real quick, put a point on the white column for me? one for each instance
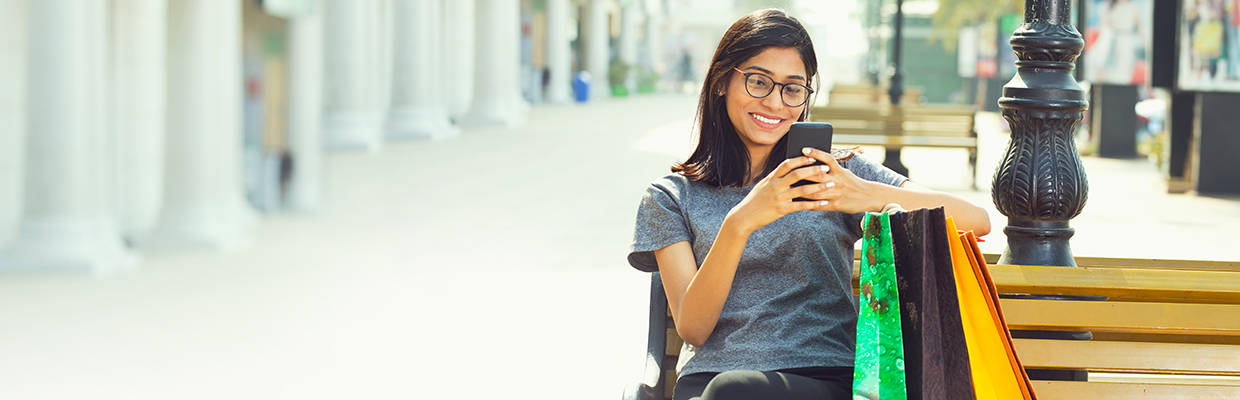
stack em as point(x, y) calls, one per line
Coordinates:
point(201, 188)
point(497, 90)
point(654, 35)
point(559, 52)
point(352, 119)
point(231, 54)
point(630, 19)
point(418, 102)
point(66, 226)
point(305, 108)
point(139, 104)
point(460, 38)
point(13, 45)
point(597, 35)
point(384, 33)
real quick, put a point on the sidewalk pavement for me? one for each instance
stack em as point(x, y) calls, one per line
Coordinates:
point(491, 265)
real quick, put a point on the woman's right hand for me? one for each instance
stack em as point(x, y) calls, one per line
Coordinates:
point(771, 198)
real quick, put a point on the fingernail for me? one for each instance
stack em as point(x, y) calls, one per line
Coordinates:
point(829, 184)
point(805, 150)
point(825, 168)
point(823, 203)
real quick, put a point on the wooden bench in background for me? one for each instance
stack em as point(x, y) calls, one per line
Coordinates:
point(896, 127)
point(846, 94)
point(863, 115)
point(1170, 329)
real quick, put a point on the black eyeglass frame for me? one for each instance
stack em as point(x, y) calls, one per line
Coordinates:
point(809, 92)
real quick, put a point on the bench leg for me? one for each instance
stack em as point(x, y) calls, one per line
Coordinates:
point(892, 161)
point(973, 167)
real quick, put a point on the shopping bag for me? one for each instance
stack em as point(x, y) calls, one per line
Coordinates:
point(935, 362)
point(879, 364)
point(994, 365)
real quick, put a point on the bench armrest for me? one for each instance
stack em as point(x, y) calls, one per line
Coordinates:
point(651, 386)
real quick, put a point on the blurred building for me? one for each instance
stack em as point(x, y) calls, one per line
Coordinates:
point(128, 125)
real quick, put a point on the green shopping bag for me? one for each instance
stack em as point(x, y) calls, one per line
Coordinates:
point(879, 365)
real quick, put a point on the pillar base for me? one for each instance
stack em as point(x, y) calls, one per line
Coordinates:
point(64, 245)
point(198, 229)
point(497, 113)
point(351, 131)
point(427, 123)
point(1038, 243)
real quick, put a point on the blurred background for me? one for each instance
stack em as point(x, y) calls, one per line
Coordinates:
point(434, 198)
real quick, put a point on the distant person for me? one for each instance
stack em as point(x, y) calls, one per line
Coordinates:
point(759, 285)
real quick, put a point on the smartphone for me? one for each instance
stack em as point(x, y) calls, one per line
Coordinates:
point(808, 134)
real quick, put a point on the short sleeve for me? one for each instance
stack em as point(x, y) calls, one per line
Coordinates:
point(660, 223)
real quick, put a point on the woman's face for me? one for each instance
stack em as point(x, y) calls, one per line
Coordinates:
point(762, 122)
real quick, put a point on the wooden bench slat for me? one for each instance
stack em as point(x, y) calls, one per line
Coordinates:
point(1123, 317)
point(1206, 359)
point(883, 140)
point(1064, 390)
point(1118, 283)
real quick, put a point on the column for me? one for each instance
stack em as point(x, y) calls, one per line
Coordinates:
point(66, 226)
point(597, 36)
point(497, 91)
point(139, 103)
point(459, 35)
point(418, 104)
point(230, 52)
point(201, 188)
point(629, 21)
point(352, 119)
point(385, 33)
point(305, 108)
point(1216, 144)
point(559, 53)
point(654, 35)
point(13, 45)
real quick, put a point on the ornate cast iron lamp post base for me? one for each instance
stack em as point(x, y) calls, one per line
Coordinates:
point(1040, 185)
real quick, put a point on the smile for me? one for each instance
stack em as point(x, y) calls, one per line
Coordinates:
point(766, 120)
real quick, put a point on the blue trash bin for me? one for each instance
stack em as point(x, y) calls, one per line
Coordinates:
point(581, 86)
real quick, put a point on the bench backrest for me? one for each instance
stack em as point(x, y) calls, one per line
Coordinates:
point(931, 120)
point(844, 94)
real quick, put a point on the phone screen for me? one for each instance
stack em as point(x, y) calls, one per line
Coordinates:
point(808, 134)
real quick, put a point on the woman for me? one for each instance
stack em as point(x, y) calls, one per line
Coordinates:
point(759, 284)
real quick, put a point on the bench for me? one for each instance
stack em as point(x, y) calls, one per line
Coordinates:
point(853, 94)
point(895, 127)
point(1170, 329)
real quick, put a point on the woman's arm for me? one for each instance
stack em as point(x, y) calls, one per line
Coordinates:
point(696, 295)
point(846, 192)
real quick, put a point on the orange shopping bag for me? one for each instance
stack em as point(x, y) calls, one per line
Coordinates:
point(997, 371)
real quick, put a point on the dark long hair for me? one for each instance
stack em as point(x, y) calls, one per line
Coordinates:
point(720, 158)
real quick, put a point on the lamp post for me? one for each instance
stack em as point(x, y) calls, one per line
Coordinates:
point(896, 91)
point(1040, 185)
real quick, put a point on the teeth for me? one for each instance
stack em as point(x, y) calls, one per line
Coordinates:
point(766, 120)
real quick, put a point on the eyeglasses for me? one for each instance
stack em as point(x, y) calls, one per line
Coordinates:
point(759, 85)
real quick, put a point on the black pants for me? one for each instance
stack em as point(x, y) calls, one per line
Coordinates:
point(822, 383)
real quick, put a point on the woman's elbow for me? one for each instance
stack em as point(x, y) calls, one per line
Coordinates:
point(697, 339)
point(983, 226)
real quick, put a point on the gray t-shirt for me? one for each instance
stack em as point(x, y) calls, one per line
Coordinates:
point(791, 303)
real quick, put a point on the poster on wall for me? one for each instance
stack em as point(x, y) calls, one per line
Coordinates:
point(1209, 47)
point(1118, 35)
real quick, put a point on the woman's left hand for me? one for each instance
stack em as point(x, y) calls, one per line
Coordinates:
point(845, 192)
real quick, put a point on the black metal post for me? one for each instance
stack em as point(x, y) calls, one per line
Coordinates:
point(892, 159)
point(1040, 185)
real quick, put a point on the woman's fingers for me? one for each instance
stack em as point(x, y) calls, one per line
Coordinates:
point(790, 165)
point(821, 155)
